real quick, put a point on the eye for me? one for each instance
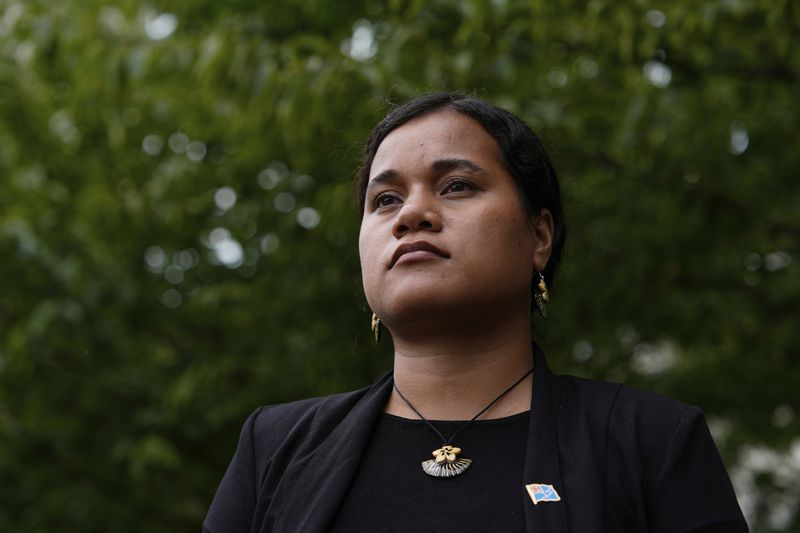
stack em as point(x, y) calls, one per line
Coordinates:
point(384, 200)
point(457, 185)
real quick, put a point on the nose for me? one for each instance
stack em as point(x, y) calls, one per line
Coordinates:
point(416, 215)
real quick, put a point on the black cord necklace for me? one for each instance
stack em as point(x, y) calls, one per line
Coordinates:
point(446, 462)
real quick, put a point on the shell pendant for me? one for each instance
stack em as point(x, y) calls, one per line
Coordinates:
point(445, 462)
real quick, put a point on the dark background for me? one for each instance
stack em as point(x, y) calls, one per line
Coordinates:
point(178, 231)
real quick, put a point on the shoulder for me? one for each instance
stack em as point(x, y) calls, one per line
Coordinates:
point(277, 439)
point(614, 403)
point(651, 452)
point(289, 432)
point(270, 424)
point(634, 426)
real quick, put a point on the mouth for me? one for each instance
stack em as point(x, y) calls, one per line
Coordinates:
point(416, 251)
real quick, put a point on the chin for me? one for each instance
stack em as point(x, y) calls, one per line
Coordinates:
point(430, 306)
point(436, 302)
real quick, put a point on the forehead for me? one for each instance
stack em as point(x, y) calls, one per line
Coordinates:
point(442, 134)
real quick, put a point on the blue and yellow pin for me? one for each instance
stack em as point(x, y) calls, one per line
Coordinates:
point(539, 492)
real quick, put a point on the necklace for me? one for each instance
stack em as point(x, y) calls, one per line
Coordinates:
point(445, 462)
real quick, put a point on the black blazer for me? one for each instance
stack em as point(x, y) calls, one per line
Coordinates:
point(620, 458)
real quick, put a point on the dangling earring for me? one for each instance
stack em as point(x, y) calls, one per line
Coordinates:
point(541, 296)
point(376, 327)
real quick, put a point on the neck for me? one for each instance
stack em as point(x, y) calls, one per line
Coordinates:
point(454, 376)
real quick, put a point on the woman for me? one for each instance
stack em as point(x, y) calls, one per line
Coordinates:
point(461, 234)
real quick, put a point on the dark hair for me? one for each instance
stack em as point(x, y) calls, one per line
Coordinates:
point(523, 156)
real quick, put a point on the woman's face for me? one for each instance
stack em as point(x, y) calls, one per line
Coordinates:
point(444, 226)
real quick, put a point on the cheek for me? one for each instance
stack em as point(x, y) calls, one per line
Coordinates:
point(512, 241)
point(368, 256)
point(363, 251)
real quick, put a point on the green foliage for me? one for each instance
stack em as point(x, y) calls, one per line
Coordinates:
point(145, 311)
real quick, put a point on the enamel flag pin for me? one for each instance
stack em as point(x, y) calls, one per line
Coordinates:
point(540, 492)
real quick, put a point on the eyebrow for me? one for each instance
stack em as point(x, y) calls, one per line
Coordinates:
point(440, 166)
point(444, 165)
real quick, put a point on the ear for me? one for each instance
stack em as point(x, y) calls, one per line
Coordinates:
point(543, 229)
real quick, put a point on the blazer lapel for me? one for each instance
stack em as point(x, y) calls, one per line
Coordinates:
point(316, 494)
point(542, 467)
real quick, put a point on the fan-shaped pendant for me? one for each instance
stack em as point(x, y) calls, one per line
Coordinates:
point(445, 462)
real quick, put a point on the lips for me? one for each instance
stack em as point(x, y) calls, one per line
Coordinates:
point(419, 246)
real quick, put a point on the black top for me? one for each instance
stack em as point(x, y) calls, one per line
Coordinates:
point(391, 493)
point(621, 460)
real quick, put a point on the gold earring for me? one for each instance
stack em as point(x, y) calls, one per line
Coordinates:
point(541, 296)
point(376, 327)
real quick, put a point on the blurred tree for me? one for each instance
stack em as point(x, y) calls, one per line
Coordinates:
point(179, 238)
